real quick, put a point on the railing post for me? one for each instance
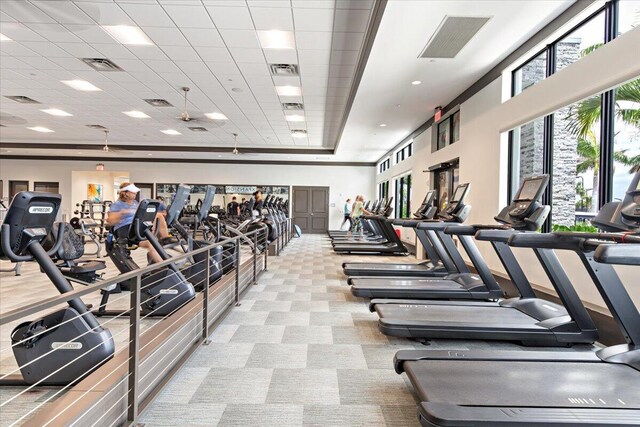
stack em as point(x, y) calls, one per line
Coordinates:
point(205, 301)
point(255, 257)
point(237, 248)
point(134, 347)
point(266, 253)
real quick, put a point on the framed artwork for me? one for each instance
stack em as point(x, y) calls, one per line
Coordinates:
point(94, 193)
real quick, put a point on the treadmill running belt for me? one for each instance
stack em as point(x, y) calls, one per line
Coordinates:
point(384, 267)
point(526, 384)
point(412, 283)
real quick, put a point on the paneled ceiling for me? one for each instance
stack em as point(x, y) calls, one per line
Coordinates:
point(220, 50)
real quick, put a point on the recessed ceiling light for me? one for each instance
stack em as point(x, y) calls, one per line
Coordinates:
point(8, 151)
point(56, 112)
point(216, 116)
point(383, 125)
point(416, 82)
point(81, 85)
point(41, 129)
point(276, 39)
point(79, 152)
point(149, 154)
point(288, 90)
point(294, 118)
point(127, 34)
point(4, 38)
point(236, 89)
point(136, 114)
point(170, 132)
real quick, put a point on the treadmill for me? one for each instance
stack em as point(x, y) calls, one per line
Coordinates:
point(392, 245)
point(438, 263)
point(374, 234)
point(525, 319)
point(525, 213)
point(484, 388)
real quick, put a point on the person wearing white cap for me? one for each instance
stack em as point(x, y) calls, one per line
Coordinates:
point(121, 213)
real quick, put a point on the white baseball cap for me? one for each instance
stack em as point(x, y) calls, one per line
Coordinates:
point(131, 188)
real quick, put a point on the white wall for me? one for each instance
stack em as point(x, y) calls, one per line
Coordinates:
point(343, 181)
point(482, 148)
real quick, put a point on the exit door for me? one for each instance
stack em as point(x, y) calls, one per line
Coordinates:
point(311, 209)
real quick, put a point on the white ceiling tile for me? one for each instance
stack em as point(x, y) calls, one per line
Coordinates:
point(315, 81)
point(343, 82)
point(6, 18)
point(315, 90)
point(25, 12)
point(181, 53)
point(313, 57)
point(189, 16)
point(313, 19)
point(286, 81)
point(132, 65)
point(347, 41)
point(258, 79)
point(106, 13)
point(90, 33)
point(70, 64)
point(65, 12)
point(193, 67)
point(353, 20)
point(249, 69)
point(180, 2)
point(272, 18)
point(19, 32)
point(247, 55)
point(114, 51)
point(316, 40)
point(17, 49)
point(148, 52)
point(314, 71)
point(224, 69)
point(214, 54)
point(342, 70)
point(48, 50)
point(166, 36)
point(38, 63)
point(263, 91)
point(147, 15)
point(231, 18)
point(281, 56)
point(54, 33)
point(166, 66)
point(344, 57)
point(203, 37)
point(240, 38)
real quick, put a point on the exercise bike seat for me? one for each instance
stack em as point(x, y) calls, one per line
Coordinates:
point(71, 249)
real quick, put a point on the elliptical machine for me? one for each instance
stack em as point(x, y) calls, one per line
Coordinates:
point(164, 290)
point(64, 346)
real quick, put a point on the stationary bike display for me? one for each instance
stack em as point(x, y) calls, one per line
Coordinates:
point(164, 290)
point(67, 344)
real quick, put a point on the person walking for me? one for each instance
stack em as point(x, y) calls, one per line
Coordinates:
point(347, 214)
point(356, 215)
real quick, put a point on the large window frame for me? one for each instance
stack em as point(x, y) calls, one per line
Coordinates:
point(607, 116)
point(384, 165)
point(383, 190)
point(404, 153)
point(449, 125)
point(402, 203)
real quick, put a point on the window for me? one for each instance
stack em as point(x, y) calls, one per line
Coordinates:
point(449, 130)
point(530, 73)
point(526, 148)
point(628, 15)
point(626, 143)
point(403, 196)
point(384, 165)
point(46, 187)
point(584, 39)
point(404, 153)
point(383, 190)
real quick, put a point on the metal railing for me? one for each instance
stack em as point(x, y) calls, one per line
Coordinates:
point(103, 393)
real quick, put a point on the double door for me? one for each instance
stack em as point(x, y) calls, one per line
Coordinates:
point(311, 209)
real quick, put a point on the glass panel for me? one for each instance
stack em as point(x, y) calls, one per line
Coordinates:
point(628, 15)
point(576, 162)
point(527, 148)
point(455, 127)
point(626, 145)
point(580, 42)
point(443, 133)
point(530, 73)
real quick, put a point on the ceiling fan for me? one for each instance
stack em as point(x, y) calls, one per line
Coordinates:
point(185, 117)
point(237, 152)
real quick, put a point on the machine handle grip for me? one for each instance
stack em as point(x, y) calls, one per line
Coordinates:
point(495, 235)
point(59, 237)
point(6, 246)
point(136, 225)
point(623, 254)
point(434, 225)
point(461, 230)
point(546, 241)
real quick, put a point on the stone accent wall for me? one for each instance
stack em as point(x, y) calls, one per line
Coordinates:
point(565, 157)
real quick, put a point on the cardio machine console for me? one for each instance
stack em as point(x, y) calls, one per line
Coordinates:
point(143, 219)
point(630, 209)
point(527, 198)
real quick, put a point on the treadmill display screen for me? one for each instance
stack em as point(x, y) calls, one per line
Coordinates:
point(529, 189)
point(459, 193)
point(428, 198)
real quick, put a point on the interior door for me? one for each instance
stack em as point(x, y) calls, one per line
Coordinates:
point(47, 187)
point(311, 209)
point(146, 191)
point(17, 186)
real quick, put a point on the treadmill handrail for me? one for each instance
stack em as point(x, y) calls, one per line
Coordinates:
point(501, 236)
point(622, 253)
point(437, 225)
point(461, 230)
point(568, 240)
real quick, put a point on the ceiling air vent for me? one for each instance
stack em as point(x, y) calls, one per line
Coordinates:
point(292, 106)
point(158, 102)
point(284, 69)
point(23, 99)
point(101, 64)
point(298, 132)
point(452, 35)
point(99, 127)
point(198, 129)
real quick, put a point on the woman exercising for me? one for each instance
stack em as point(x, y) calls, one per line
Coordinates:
point(121, 214)
point(357, 211)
